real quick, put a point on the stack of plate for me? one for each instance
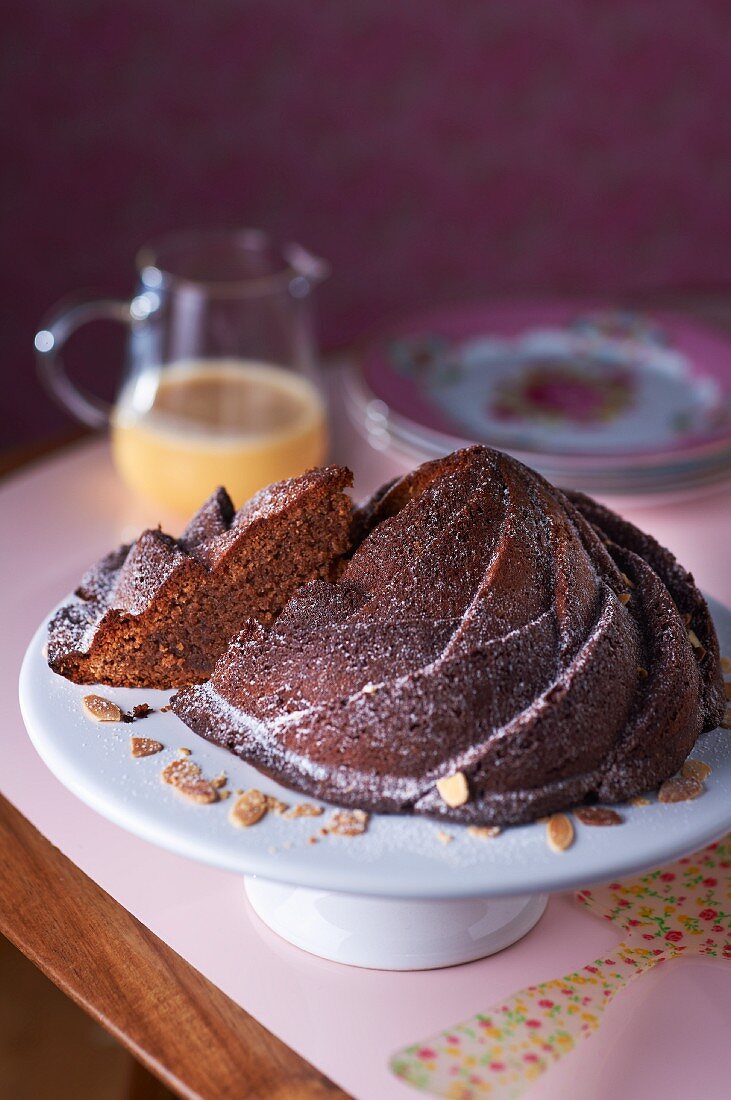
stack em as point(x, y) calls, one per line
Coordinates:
point(595, 399)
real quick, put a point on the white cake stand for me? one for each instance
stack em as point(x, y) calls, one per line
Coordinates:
point(397, 897)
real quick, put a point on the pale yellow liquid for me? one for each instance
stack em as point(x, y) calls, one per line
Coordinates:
point(179, 432)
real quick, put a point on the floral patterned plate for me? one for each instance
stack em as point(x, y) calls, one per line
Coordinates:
point(621, 398)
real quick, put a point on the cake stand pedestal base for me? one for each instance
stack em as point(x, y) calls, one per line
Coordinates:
point(392, 933)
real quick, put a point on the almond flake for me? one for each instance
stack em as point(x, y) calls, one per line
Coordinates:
point(484, 832)
point(348, 822)
point(302, 809)
point(249, 808)
point(180, 771)
point(144, 746)
point(559, 833)
point(679, 790)
point(101, 709)
point(726, 664)
point(639, 801)
point(444, 838)
point(453, 789)
point(627, 581)
point(625, 597)
point(219, 781)
point(198, 790)
point(274, 805)
point(695, 769)
point(597, 815)
point(185, 752)
point(694, 640)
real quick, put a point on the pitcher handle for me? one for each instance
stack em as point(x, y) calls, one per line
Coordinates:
point(49, 342)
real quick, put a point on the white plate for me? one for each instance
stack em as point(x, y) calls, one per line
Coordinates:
point(398, 856)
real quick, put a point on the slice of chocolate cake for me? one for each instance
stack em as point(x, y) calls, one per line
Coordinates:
point(490, 636)
point(159, 612)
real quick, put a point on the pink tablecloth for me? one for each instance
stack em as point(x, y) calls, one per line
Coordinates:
point(665, 1037)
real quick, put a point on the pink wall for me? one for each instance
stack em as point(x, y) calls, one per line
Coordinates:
point(430, 150)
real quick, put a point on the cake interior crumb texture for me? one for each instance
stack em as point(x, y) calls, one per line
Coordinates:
point(159, 612)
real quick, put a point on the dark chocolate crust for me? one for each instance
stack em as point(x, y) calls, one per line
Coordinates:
point(160, 612)
point(485, 623)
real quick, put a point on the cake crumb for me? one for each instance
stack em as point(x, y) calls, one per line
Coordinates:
point(144, 746)
point(726, 720)
point(726, 664)
point(219, 781)
point(679, 790)
point(369, 689)
point(727, 688)
point(164, 710)
point(249, 808)
point(453, 789)
point(484, 832)
point(312, 840)
point(642, 673)
point(695, 769)
point(101, 709)
point(348, 822)
point(141, 710)
point(559, 833)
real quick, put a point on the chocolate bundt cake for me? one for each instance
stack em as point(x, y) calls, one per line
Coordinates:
point(487, 627)
point(159, 612)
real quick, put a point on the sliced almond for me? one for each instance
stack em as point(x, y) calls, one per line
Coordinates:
point(101, 709)
point(559, 832)
point(627, 581)
point(198, 790)
point(180, 771)
point(625, 597)
point(144, 746)
point(598, 815)
point(249, 808)
point(348, 822)
point(694, 640)
point(453, 789)
point(275, 806)
point(695, 769)
point(484, 832)
point(679, 789)
point(219, 781)
point(639, 801)
point(301, 809)
point(185, 752)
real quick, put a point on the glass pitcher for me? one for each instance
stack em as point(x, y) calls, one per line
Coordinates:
point(222, 385)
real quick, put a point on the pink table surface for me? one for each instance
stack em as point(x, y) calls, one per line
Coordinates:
point(665, 1037)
